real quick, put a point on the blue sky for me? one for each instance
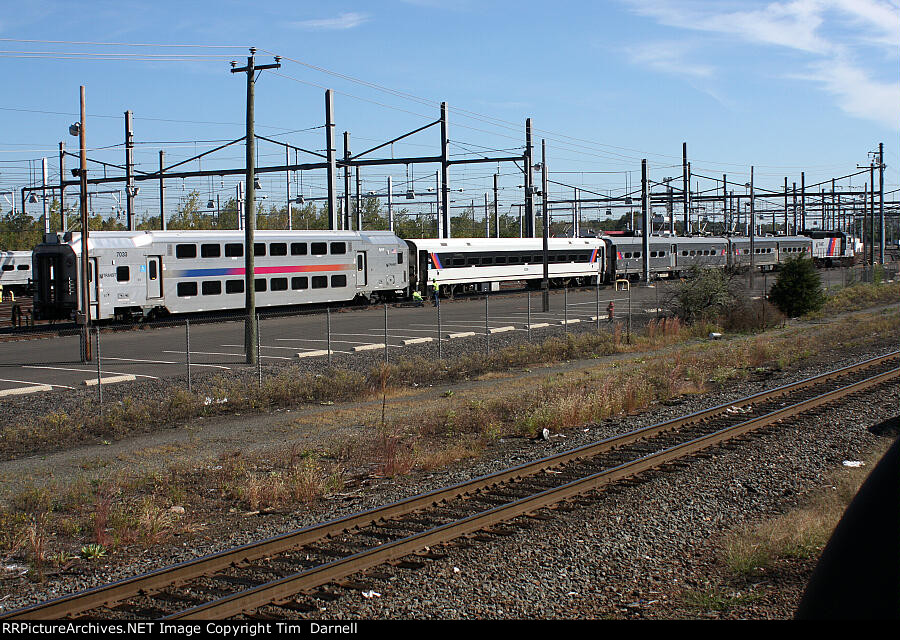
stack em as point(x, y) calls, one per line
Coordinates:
point(786, 86)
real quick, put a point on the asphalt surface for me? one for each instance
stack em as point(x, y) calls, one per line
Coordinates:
point(52, 361)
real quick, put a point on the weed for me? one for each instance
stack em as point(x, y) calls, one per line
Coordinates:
point(93, 551)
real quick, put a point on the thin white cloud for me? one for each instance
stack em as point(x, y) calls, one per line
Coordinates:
point(347, 20)
point(668, 57)
point(833, 34)
point(857, 93)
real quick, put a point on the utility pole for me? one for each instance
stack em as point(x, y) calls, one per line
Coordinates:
point(684, 185)
point(333, 215)
point(545, 283)
point(44, 195)
point(287, 183)
point(496, 208)
point(346, 224)
point(802, 201)
point(872, 212)
point(785, 206)
point(250, 328)
point(390, 204)
point(645, 222)
point(529, 183)
point(752, 230)
point(129, 171)
point(85, 269)
point(444, 217)
point(358, 202)
point(881, 202)
point(63, 223)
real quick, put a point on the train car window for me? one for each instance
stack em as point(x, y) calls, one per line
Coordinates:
point(151, 270)
point(513, 260)
point(300, 282)
point(23, 267)
point(259, 248)
point(123, 274)
point(259, 284)
point(526, 259)
point(8, 267)
point(233, 250)
point(234, 286)
point(637, 254)
point(487, 260)
point(186, 289)
point(653, 254)
point(339, 281)
point(278, 284)
point(399, 257)
point(460, 261)
point(319, 282)
point(472, 261)
point(318, 248)
point(185, 251)
point(338, 248)
point(278, 249)
point(298, 248)
point(500, 260)
point(211, 287)
point(210, 250)
point(627, 254)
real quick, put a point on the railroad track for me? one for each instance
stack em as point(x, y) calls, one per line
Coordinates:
point(263, 579)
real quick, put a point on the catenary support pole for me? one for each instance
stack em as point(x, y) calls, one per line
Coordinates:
point(330, 151)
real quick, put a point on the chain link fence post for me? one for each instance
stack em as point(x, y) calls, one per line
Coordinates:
point(258, 358)
point(99, 380)
point(566, 307)
point(487, 328)
point(187, 351)
point(598, 304)
point(385, 334)
point(328, 332)
point(529, 316)
point(440, 337)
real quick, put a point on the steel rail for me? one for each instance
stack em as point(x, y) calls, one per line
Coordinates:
point(285, 588)
point(106, 595)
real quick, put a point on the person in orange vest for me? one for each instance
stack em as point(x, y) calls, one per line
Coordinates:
point(610, 311)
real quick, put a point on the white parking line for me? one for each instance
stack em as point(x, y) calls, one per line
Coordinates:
point(215, 366)
point(36, 383)
point(219, 353)
point(116, 373)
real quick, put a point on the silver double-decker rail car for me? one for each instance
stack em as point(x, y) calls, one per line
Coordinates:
point(147, 274)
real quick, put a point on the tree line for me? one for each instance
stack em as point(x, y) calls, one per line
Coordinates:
point(19, 231)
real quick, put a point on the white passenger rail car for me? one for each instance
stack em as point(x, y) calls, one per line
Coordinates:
point(15, 271)
point(155, 273)
point(466, 264)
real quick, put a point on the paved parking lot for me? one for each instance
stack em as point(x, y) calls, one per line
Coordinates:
point(29, 366)
point(160, 351)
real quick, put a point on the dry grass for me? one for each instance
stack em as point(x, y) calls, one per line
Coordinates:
point(801, 533)
point(861, 296)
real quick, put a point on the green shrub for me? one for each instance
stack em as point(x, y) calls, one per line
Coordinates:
point(798, 289)
point(703, 296)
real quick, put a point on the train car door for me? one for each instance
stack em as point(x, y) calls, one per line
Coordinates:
point(154, 276)
point(94, 287)
point(361, 268)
